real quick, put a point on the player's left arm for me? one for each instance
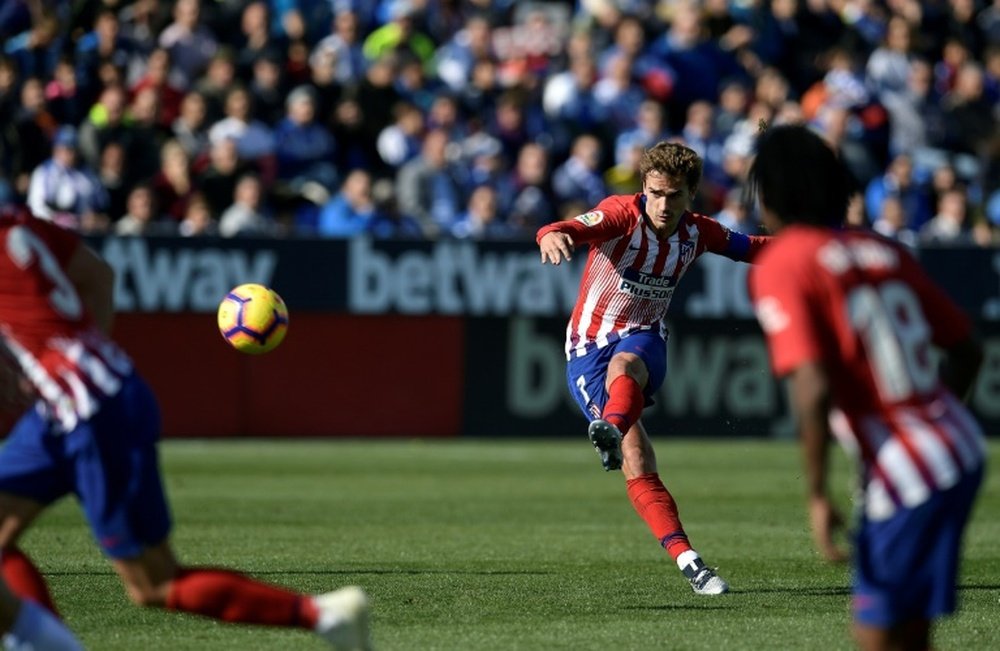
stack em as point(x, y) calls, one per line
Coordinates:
point(94, 280)
point(793, 329)
point(732, 244)
point(810, 399)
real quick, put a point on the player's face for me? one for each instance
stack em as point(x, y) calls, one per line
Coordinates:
point(667, 197)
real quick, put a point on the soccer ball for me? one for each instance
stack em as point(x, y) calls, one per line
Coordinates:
point(253, 319)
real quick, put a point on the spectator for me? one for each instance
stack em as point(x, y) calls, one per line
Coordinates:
point(190, 128)
point(888, 68)
point(173, 184)
point(734, 99)
point(578, 178)
point(106, 43)
point(267, 88)
point(113, 177)
point(218, 180)
point(28, 142)
point(970, 123)
point(400, 142)
point(700, 64)
point(247, 216)
point(625, 177)
point(429, 186)
point(617, 95)
point(399, 35)
point(256, 38)
point(216, 84)
point(191, 44)
point(916, 119)
point(198, 221)
point(650, 128)
point(105, 123)
point(525, 193)
point(304, 148)
point(65, 192)
point(254, 139)
point(455, 59)
point(157, 79)
point(352, 210)
point(141, 23)
point(481, 219)
point(891, 221)
point(63, 95)
point(343, 48)
point(147, 134)
point(698, 134)
point(898, 181)
point(390, 222)
point(950, 224)
point(143, 218)
point(735, 215)
point(655, 78)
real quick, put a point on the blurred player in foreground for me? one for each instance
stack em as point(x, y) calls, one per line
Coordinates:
point(93, 432)
point(26, 626)
point(851, 319)
point(640, 246)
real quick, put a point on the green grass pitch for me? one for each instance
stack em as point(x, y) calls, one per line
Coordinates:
point(479, 545)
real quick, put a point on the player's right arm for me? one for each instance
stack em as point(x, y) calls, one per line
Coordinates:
point(94, 280)
point(610, 219)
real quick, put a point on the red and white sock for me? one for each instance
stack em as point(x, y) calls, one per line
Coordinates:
point(232, 597)
point(625, 403)
point(24, 579)
point(654, 504)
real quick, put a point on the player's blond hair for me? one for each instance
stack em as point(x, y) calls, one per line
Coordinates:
point(672, 159)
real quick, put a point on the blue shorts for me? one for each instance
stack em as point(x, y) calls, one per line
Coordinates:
point(906, 567)
point(586, 375)
point(110, 462)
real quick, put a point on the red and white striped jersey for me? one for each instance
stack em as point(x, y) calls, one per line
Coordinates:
point(46, 326)
point(631, 274)
point(862, 307)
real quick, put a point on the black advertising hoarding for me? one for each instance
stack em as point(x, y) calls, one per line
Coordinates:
point(513, 312)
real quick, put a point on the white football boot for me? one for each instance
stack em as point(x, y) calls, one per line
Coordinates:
point(343, 619)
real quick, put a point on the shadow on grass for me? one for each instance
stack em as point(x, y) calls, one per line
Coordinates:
point(338, 572)
point(681, 607)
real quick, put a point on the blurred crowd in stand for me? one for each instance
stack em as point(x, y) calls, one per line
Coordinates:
point(476, 119)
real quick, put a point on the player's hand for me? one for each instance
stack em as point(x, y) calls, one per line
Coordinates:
point(556, 247)
point(826, 521)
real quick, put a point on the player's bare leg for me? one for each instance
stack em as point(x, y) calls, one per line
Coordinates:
point(913, 635)
point(20, 573)
point(156, 579)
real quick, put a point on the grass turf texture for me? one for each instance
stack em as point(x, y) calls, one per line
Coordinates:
point(498, 545)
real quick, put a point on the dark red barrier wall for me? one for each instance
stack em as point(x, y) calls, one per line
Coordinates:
point(334, 375)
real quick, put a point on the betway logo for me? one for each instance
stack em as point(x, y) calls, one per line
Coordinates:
point(458, 278)
point(181, 279)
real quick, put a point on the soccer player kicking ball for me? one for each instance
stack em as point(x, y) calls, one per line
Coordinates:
point(640, 246)
point(94, 431)
point(851, 319)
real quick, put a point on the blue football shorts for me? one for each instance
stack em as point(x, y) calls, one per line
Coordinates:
point(109, 462)
point(906, 567)
point(586, 375)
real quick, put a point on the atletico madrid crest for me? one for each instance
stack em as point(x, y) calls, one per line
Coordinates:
point(687, 253)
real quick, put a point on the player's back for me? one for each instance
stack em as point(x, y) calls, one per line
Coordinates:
point(46, 325)
point(862, 307)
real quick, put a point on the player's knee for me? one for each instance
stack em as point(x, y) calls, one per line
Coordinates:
point(628, 364)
